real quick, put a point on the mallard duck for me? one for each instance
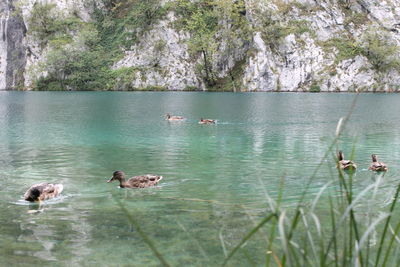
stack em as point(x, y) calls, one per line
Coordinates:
point(377, 166)
point(43, 191)
point(136, 181)
point(206, 121)
point(169, 117)
point(345, 164)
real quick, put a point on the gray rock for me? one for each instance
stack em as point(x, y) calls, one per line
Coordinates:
point(161, 57)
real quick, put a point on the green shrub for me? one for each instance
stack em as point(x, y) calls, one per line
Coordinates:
point(84, 62)
point(74, 69)
point(125, 21)
point(358, 19)
point(347, 48)
point(297, 27)
point(202, 19)
point(121, 79)
point(315, 88)
point(381, 50)
point(46, 24)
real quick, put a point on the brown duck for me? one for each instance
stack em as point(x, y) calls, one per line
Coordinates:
point(377, 166)
point(345, 164)
point(141, 181)
point(206, 121)
point(42, 191)
point(169, 117)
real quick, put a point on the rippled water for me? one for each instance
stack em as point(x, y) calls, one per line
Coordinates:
point(215, 176)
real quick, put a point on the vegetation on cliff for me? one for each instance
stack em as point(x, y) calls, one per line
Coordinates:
point(80, 55)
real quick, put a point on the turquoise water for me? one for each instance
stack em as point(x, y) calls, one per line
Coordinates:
point(215, 176)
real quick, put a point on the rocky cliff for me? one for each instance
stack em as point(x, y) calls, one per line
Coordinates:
point(223, 45)
point(12, 47)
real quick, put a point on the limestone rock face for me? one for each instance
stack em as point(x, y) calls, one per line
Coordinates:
point(309, 45)
point(12, 47)
point(302, 60)
point(288, 70)
point(352, 74)
point(36, 53)
point(162, 59)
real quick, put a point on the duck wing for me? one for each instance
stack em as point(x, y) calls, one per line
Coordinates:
point(50, 191)
point(378, 166)
point(346, 165)
point(144, 180)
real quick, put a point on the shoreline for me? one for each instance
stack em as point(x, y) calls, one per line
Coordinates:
point(199, 91)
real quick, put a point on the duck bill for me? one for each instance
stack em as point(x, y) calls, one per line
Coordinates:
point(111, 179)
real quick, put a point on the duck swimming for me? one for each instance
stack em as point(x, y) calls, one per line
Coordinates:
point(141, 181)
point(345, 164)
point(206, 121)
point(169, 117)
point(43, 191)
point(377, 166)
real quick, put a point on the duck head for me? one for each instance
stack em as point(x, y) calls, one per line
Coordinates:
point(33, 195)
point(117, 175)
point(167, 116)
point(374, 159)
point(340, 155)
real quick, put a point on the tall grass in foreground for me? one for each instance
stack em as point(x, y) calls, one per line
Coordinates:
point(297, 237)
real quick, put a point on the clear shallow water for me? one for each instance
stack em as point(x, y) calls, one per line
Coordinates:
point(215, 176)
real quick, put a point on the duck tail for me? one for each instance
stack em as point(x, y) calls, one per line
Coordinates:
point(59, 188)
point(160, 178)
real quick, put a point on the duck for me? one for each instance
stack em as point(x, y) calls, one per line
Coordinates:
point(377, 166)
point(206, 121)
point(140, 181)
point(345, 164)
point(173, 118)
point(43, 191)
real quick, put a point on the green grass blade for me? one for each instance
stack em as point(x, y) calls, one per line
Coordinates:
point(283, 237)
point(195, 241)
point(308, 236)
point(144, 236)
point(291, 231)
point(318, 196)
point(248, 257)
point(339, 130)
point(389, 248)
point(334, 235)
point(248, 236)
point(396, 196)
point(274, 225)
point(349, 214)
point(221, 239)
point(366, 234)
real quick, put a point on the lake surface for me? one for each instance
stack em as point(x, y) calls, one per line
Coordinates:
point(215, 176)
